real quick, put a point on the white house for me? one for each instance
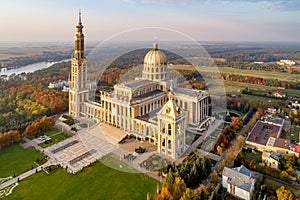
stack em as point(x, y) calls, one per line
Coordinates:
point(270, 159)
point(238, 181)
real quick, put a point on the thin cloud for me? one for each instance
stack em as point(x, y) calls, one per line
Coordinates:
point(280, 5)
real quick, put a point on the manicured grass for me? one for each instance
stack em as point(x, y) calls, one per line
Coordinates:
point(95, 182)
point(59, 137)
point(17, 160)
point(278, 185)
point(55, 139)
point(51, 132)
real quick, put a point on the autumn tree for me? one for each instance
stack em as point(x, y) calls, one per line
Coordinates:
point(39, 127)
point(165, 193)
point(188, 195)
point(214, 177)
point(284, 176)
point(284, 194)
point(179, 188)
point(202, 193)
point(169, 180)
point(219, 150)
point(9, 138)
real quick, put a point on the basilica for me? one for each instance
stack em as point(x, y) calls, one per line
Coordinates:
point(150, 108)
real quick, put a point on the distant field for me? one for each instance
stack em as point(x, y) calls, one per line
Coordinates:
point(15, 159)
point(262, 74)
point(245, 72)
point(29, 49)
point(95, 182)
point(233, 87)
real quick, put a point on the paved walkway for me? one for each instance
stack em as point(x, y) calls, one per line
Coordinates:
point(202, 137)
point(209, 155)
point(95, 139)
point(31, 143)
point(27, 174)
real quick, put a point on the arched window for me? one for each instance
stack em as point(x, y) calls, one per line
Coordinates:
point(169, 129)
point(169, 144)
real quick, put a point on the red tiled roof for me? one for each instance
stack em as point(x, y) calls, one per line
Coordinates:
point(297, 148)
point(280, 93)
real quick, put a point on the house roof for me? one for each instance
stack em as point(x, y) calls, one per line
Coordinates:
point(295, 148)
point(262, 131)
point(282, 143)
point(275, 120)
point(279, 93)
point(240, 177)
point(274, 156)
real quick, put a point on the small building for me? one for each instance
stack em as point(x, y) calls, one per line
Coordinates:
point(279, 94)
point(286, 62)
point(270, 159)
point(58, 84)
point(272, 111)
point(238, 181)
point(265, 136)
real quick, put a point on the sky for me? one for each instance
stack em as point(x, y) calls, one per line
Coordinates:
point(202, 20)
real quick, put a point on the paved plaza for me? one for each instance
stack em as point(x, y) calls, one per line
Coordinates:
point(79, 151)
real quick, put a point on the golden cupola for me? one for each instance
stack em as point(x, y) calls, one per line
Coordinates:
point(155, 64)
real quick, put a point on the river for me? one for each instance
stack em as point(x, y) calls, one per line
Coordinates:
point(29, 68)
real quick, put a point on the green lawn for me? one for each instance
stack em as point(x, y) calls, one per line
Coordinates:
point(51, 132)
point(256, 157)
point(55, 138)
point(95, 182)
point(278, 185)
point(293, 136)
point(15, 159)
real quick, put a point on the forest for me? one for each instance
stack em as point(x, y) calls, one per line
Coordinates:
point(25, 98)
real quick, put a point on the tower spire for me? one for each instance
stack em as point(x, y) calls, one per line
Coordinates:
point(79, 39)
point(79, 16)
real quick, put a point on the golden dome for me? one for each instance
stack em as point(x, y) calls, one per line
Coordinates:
point(155, 56)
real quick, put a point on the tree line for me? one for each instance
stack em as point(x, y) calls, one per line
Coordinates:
point(25, 103)
point(25, 97)
point(32, 130)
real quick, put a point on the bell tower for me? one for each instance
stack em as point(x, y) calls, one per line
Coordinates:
point(79, 85)
point(171, 129)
